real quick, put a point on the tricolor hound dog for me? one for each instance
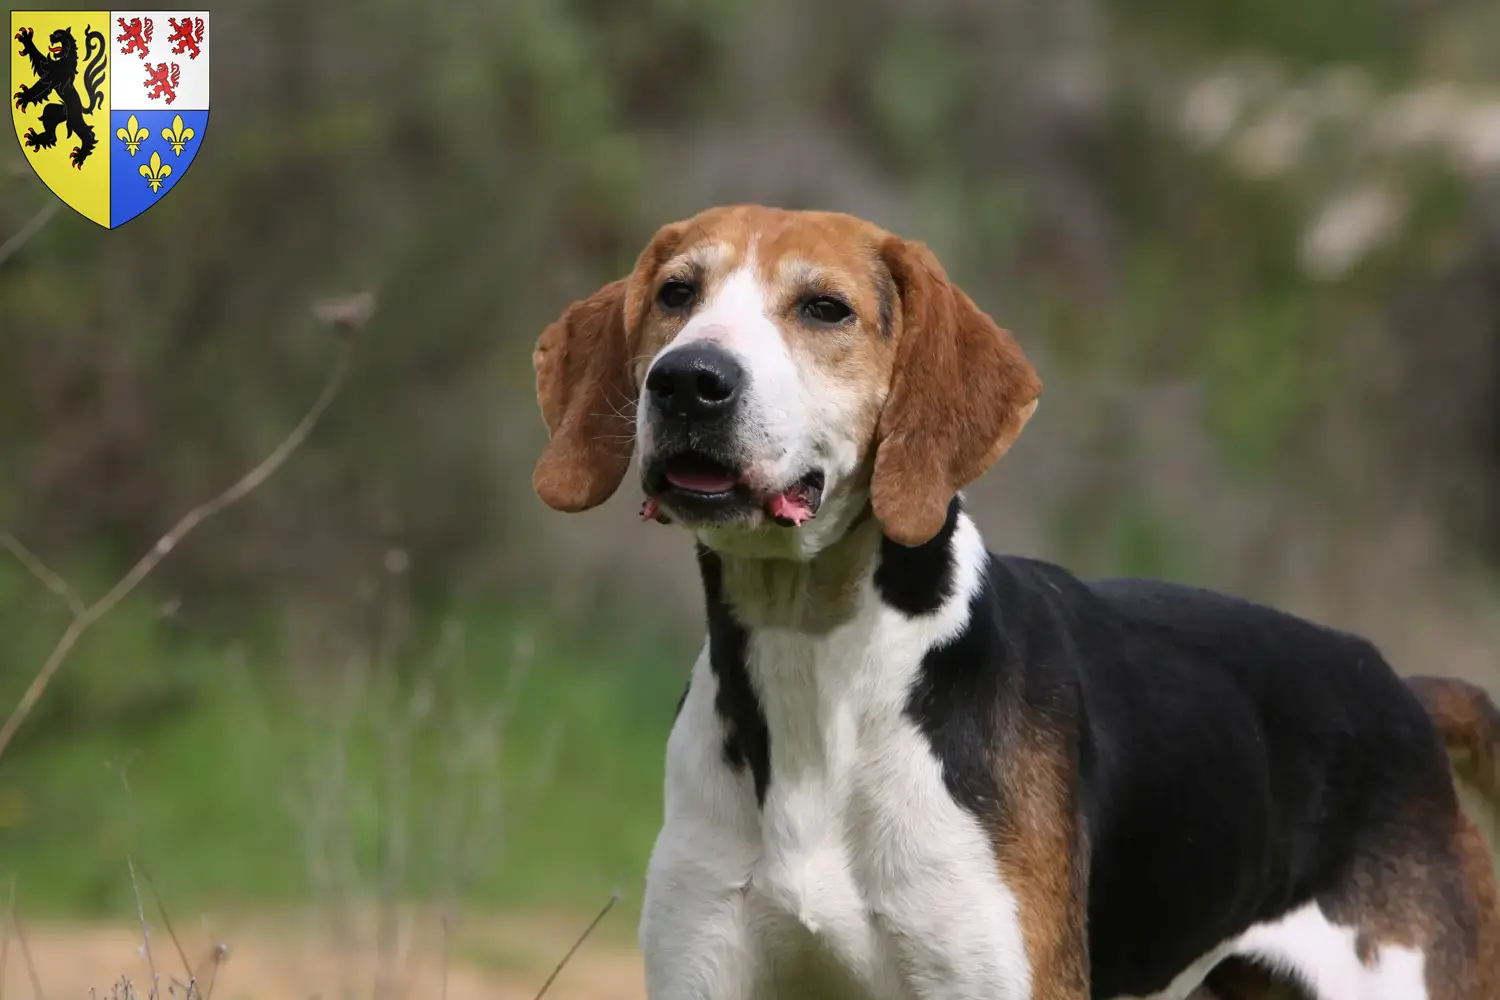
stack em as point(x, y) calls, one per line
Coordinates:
point(908, 769)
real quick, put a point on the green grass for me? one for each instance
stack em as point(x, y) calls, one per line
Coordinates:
point(533, 763)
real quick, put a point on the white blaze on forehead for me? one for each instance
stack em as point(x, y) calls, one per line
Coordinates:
point(737, 302)
point(736, 313)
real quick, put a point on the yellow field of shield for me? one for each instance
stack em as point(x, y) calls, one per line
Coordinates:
point(85, 187)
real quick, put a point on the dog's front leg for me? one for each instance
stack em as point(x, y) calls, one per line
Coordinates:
point(989, 903)
point(695, 933)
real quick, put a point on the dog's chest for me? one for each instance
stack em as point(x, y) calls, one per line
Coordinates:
point(860, 842)
point(818, 879)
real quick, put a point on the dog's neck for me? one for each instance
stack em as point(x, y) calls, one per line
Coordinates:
point(795, 645)
point(819, 594)
point(812, 595)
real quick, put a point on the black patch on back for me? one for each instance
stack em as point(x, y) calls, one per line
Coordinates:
point(747, 739)
point(1232, 761)
point(916, 581)
point(1245, 758)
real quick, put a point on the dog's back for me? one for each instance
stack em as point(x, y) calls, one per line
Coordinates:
point(1243, 767)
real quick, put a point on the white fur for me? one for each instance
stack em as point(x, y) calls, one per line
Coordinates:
point(793, 418)
point(861, 877)
point(1319, 954)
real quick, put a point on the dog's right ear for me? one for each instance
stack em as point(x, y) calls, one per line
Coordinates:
point(585, 384)
point(588, 402)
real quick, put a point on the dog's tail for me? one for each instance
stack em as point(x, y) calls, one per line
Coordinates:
point(1469, 723)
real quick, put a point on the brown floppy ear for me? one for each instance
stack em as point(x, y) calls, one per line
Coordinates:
point(960, 393)
point(586, 387)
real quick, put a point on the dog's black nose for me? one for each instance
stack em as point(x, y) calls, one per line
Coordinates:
point(699, 380)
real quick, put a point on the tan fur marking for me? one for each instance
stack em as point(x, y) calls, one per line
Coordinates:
point(1469, 724)
point(1430, 883)
point(813, 596)
point(856, 359)
point(1479, 869)
point(1042, 857)
point(1414, 891)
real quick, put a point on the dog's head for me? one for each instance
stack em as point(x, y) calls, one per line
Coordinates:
point(778, 372)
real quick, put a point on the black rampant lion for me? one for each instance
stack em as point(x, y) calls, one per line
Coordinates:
point(57, 74)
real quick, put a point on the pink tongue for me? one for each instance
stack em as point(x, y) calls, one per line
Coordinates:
point(701, 482)
point(791, 506)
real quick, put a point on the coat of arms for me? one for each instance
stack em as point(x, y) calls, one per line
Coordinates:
point(110, 106)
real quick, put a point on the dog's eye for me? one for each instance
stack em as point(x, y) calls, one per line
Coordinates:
point(676, 295)
point(826, 309)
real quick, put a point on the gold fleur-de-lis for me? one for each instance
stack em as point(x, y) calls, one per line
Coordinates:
point(132, 135)
point(177, 135)
point(156, 171)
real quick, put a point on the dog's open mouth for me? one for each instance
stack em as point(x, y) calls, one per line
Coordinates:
point(693, 472)
point(699, 485)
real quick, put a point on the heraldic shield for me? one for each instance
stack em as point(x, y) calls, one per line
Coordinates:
point(110, 106)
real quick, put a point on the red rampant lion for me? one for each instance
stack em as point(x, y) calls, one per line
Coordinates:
point(187, 36)
point(163, 81)
point(135, 36)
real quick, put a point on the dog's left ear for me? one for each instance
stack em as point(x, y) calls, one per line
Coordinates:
point(960, 393)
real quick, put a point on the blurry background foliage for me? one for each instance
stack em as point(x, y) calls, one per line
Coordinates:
point(1252, 245)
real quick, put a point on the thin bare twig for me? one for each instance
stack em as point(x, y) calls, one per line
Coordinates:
point(235, 493)
point(613, 899)
point(39, 569)
point(172, 934)
point(25, 233)
point(15, 921)
point(140, 910)
point(216, 957)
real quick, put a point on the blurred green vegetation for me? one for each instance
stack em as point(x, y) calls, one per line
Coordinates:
point(1254, 248)
point(509, 764)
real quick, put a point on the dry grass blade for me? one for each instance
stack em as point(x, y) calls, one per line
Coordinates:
point(347, 322)
point(36, 979)
point(166, 921)
point(216, 957)
point(576, 945)
point(145, 927)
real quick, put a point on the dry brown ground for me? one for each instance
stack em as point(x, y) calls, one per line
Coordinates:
point(268, 959)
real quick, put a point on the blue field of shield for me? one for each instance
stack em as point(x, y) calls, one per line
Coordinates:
point(152, 151)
